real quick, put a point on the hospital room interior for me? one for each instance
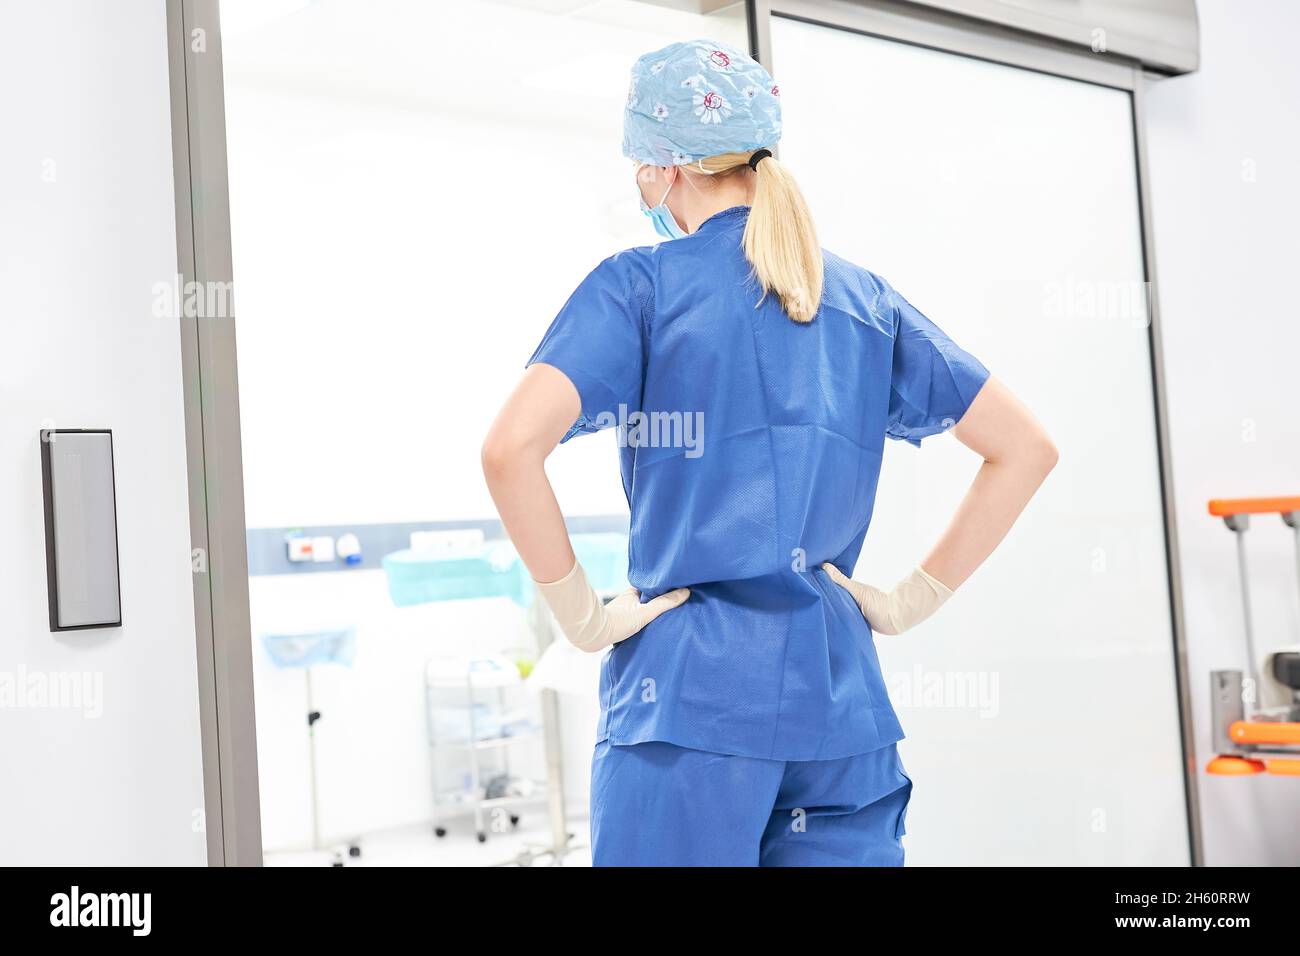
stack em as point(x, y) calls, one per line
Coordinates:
point(353, 667)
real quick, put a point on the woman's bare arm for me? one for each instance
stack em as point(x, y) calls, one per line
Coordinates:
point(1018, 455)
point(536, 416)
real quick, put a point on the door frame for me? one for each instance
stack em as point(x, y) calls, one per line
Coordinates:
point(211, 381)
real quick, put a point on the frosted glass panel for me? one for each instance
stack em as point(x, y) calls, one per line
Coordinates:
point(1040, 705)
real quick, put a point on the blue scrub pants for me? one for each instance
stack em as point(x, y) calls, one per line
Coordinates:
point(657, 804)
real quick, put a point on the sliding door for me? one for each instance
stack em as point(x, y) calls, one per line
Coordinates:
point(1040, 705)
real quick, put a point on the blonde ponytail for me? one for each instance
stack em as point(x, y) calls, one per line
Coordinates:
point(780, 241)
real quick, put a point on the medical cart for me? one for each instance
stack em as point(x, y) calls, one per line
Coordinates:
point(1256, 724)
point(476, 710)
point(464, 567)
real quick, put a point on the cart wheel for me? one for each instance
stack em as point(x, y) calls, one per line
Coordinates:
point(440, 831)
point(354, 851)
point(482, 837)
point(514, 819)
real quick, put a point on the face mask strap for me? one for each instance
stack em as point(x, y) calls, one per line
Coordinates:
point(637, 173)
point(665, 222)
point(665, 195)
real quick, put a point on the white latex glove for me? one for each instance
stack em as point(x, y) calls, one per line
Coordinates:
point(912, 600)
point(592, 626)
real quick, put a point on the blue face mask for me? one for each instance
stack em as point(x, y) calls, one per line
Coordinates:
point(663, 220)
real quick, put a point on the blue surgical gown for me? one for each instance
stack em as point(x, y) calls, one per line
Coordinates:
point(769, 657)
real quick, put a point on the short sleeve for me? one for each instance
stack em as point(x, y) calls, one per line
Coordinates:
point(933, 381)
point(598, 340)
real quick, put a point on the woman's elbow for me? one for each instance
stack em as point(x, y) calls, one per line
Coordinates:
point(1043, 454)
point(505, 453)
point(497, 456)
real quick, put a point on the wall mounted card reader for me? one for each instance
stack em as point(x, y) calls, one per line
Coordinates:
point(80, 528)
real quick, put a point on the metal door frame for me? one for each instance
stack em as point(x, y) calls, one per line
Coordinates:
point(211, 387)
point(210, 381)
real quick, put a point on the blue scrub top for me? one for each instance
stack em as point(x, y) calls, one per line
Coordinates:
point(754, 459)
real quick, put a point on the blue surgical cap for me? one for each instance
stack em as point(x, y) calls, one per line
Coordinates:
point(697, 99)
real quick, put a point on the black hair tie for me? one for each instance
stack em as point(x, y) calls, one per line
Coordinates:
point(758, 156)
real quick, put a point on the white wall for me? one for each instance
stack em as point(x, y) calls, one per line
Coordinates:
point(383, 307)
point(86, 229)
point(1224, 145)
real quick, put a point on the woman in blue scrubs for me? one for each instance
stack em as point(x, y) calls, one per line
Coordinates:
point(753, 378)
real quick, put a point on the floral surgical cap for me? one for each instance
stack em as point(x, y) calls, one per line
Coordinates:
point(697, 99)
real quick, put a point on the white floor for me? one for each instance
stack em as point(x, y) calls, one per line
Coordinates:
point(417, 846)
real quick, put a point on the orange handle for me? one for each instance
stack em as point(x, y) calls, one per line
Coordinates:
point(1264, 732)
point(1233, 766)
point(1244, 766)
point(1223, 507)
